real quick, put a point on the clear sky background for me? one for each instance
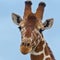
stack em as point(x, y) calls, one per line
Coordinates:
point(10, 37)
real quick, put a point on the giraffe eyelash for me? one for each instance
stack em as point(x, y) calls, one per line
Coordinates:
point(19, 28)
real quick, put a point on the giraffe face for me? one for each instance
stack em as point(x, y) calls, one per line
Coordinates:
point(31, 31)
point(30, 34)
point(30, 39)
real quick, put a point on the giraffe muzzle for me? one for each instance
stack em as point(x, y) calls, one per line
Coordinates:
point(25, 49)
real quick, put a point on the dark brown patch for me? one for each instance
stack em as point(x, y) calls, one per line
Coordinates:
point(46, 50)
point(51, 54)
point(37, 57)
point(31, 21)
point(48, 58)
point(40, 46)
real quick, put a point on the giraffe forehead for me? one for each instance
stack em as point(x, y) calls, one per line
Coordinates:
point(30, 23)
point(31, 20)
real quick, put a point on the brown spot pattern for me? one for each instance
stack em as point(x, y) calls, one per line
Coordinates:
point(40, 46)
point(37, 57)
point(46, 50)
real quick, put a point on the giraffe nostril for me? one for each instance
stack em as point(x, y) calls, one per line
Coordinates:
point(23, 43)
point(28, 44)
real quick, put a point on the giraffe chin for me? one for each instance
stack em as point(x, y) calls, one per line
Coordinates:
point(25, 50)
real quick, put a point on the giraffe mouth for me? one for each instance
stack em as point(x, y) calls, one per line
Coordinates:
point(25, 50)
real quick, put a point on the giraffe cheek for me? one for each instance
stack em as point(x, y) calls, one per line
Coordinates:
point(25, 50)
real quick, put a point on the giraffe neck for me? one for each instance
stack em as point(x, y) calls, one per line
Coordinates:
point(41, 52)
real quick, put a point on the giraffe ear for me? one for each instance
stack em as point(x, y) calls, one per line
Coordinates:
point(16, 18)
point(48, 23)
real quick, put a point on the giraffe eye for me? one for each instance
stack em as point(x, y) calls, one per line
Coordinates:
point(19, 28)
point(41, 30)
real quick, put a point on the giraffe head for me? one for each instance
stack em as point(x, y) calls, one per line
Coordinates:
point(31, 27)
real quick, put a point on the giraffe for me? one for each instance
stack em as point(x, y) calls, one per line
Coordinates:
point(32, 27)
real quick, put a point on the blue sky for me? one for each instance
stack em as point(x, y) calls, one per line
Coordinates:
point(10, 37)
